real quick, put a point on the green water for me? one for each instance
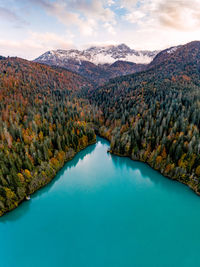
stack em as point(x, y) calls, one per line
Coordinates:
point(104, 211)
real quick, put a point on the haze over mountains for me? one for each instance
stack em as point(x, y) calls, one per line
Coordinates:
point(99, 64)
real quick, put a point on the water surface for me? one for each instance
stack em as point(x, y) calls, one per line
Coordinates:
point(104, 211)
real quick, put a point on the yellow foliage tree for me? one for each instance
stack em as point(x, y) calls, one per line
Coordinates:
point(198, 170)
point(21, 177)
point(164, 153)
point(159, 159)
point(41, 136)
point(27, 174)
point(9, 193)
point(54, 162)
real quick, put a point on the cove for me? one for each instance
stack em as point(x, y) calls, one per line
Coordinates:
point(102, 210)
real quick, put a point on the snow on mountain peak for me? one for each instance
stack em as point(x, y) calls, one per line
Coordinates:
point(100, 55)
point(172, 49)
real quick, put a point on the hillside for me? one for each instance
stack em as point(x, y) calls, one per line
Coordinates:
point(41, 126)
point(179, 60)
point(154, 116)
point(37, 76)
point(176, 69)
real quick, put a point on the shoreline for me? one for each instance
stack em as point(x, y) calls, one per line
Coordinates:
point(193, 187)
point(51, 178)
point(165, 176)
point(48, 180)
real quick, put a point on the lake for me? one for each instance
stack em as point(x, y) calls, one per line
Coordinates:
point(104, 211)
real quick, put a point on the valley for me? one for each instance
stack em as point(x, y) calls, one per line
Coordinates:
point(49, 113)
point(99, 133)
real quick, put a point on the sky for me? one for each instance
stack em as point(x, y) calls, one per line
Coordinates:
point(31, 27)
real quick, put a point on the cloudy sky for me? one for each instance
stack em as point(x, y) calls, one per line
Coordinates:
point(31, 27)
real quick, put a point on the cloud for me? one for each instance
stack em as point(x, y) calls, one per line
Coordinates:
point(93, 8)
point(10, 16)
point(181, 15)
point(142, 24)
point(110, 2)
point(109, 27)
point(128, 3)
point(51, 40)
point(86, 15)
point(99, 44)
point(135, 16)
point(35, 44)
point(162, 23)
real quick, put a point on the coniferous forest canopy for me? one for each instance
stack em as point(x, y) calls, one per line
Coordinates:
point(49, 114)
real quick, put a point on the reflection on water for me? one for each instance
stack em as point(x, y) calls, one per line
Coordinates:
point(80, 156)
point(146, 172)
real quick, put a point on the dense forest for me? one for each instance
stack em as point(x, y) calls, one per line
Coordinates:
point(154, 116)
point(41, 127)
point(48, 114)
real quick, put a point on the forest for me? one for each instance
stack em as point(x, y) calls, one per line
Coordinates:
point(49, 114)
point(41, 127)
point(154, 116)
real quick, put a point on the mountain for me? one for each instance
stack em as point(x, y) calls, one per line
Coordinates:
point(163, 55)
point(177, 61)
point(96, 63)
point(176, 68)
point(98, 55)
point(176, 65)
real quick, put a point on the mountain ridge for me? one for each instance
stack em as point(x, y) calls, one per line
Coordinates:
point(100, 55)
point(96, 63)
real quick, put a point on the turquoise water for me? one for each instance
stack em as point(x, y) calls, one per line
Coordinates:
point(104, 211)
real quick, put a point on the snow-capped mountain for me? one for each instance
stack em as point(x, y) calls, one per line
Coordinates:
point(100, 55)
point(99, 64)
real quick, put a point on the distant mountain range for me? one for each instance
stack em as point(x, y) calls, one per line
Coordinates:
point(99, 64)
point(99, 55)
